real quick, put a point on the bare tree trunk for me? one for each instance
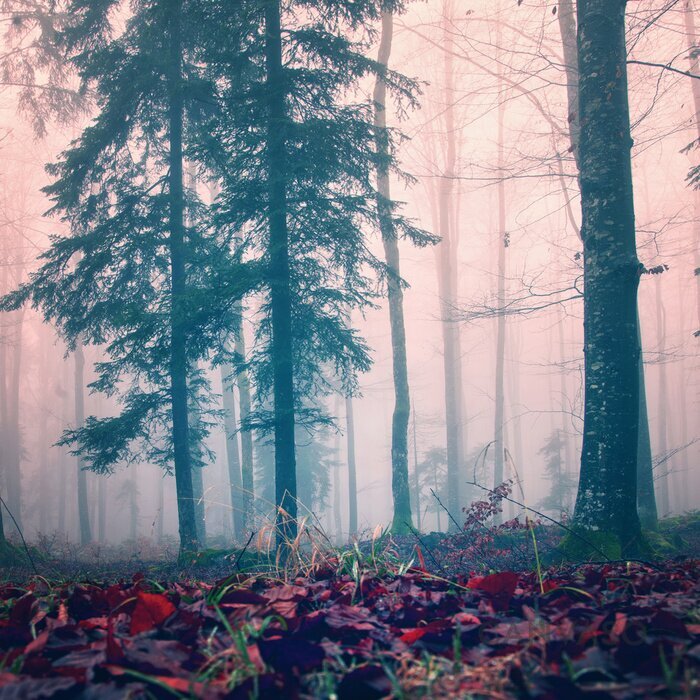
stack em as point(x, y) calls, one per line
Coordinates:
point(402, 521)
point(566, 16)
point(662, 475)
point(232, 454)
point(352, 466)
point(502, 245)
point(447, 259)
point(684, 502)
point(606, 504)
point(102, 509)
point(61, 469)
point(133, 505)
point(13, 434)
point(247, 465)
point(337, 513)
point(79, 398)
point(178, 339)
point(568, 456)
point(416, 482)
point(646, 499)
point(694, 60)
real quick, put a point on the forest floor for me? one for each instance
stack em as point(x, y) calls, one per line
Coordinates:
point(465, 615)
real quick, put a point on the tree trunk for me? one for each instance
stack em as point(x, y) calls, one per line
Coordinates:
point(645, 490)
point(662, 475)
point(447, 278)
point(646, 498)
point(232, 454)
point(133, 505)
point(194, 416)
point(606, 503)
point(694, 61)
point(178, 340)
point(352, 467)
point(566, 17)
point(247, 465)
point(79, 398)
point(402, 521)
point(416, 480)
point(502, 244)
point(337, 512)
point(102, 509)
point(280, 281)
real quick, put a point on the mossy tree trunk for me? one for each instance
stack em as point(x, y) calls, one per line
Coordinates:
point(566, 16)
point(606, 503)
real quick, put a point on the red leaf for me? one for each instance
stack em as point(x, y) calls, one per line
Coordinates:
point(420, 559)
point(113, 651)
point(413, 635)
point(151, 610)
point(495, 584)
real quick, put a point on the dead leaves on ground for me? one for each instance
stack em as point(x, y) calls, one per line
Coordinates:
point(597, 632)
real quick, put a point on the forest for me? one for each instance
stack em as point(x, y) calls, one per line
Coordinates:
point(349, 349)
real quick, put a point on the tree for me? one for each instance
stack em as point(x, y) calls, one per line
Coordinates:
point(401, 522)
point(232, 453)
point(79, 398)
point(352, 467)
point(280, 276)
point(563, 484)
point(298, 186)
point(502, 248)
point(121, 276)
point(645, 479)
point(606, 505)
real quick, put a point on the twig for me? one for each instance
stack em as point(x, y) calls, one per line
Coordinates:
point(546, 517)
point(19, 530)
point(414, 532)
point(442, 505)
point(243, 551)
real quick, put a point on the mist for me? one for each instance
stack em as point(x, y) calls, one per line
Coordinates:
point(491, 173)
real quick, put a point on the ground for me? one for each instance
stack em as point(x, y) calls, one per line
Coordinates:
point(364, 622)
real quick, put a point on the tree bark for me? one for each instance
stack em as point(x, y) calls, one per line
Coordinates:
point(416, 480)
point(402, 521)
point(447, 283)
point(232, 455)
point(662, 445)
point(694, 61)
point(645, 479)
point(352, 467)
point(566, 16)
point(502, 244)
point(646, 498)
point(247, 464)
point(606, 503)
point(280, 280)
point(178, 341)
point(79, 398)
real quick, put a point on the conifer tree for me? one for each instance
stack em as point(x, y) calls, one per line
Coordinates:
point(121, 277)
point(294, 154)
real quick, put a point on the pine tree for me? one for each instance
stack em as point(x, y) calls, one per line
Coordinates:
point(294, 155)
point(121, 276)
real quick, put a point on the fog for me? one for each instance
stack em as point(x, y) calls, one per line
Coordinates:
point(489, 139)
